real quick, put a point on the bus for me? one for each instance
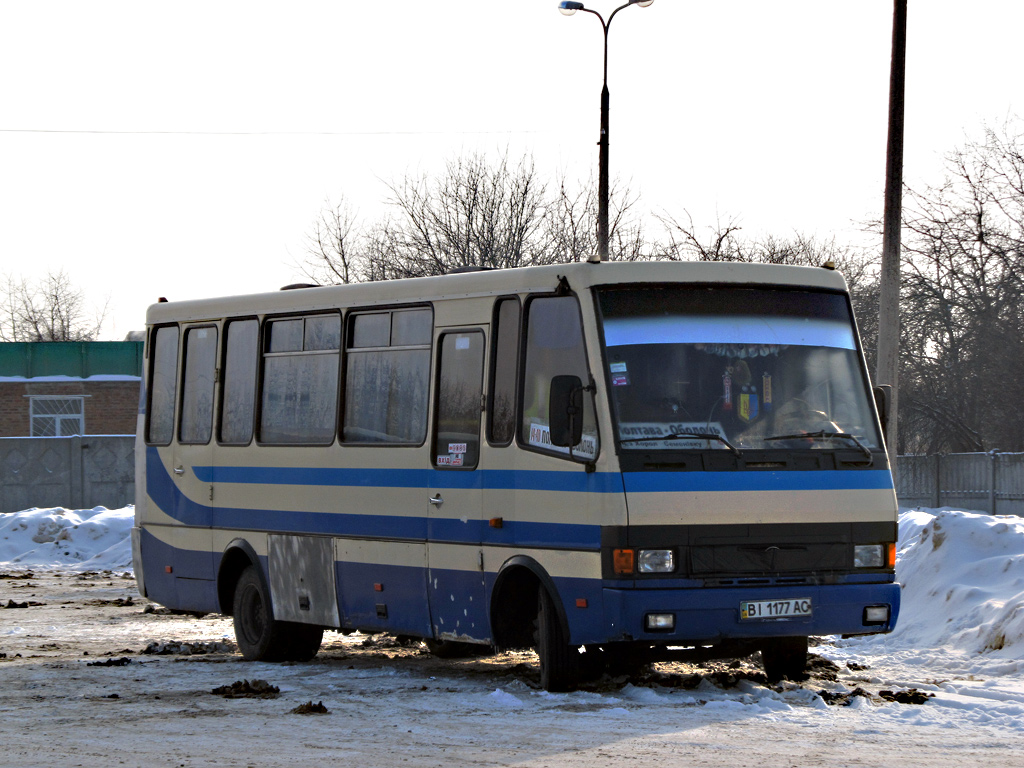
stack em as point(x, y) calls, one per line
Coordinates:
point(610, 463)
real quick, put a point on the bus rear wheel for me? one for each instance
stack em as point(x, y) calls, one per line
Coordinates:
point(260, 637)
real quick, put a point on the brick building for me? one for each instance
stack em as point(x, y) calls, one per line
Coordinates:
point(69, 388)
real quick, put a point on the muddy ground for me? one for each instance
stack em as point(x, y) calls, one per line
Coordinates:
point(93, 675)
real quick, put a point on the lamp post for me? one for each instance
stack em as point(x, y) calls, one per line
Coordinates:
point(568, 8)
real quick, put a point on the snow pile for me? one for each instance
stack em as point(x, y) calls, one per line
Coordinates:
point(963, 582)
point(98, 538)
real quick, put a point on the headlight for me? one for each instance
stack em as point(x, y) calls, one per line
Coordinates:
point(656, 561)
point(868, 556)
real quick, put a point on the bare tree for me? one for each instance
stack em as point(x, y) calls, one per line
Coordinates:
point(335, 251)
point(478, 213)
point(962, 339)
point(723, 243)
point(685, 243)
point(51, 309)
point(475, 214)
point(571, 223)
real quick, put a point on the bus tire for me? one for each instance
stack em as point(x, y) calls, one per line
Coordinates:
point(785, 657)
point(259, 637)
point(559, 662)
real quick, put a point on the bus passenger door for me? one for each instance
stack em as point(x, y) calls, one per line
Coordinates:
point(192, 458)
point(456, 590)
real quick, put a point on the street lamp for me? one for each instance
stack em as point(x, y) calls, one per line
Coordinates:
point(568, 8)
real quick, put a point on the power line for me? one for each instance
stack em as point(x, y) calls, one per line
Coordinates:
point(263, 133)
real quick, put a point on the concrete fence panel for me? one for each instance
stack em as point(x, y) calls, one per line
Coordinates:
point(74, 472)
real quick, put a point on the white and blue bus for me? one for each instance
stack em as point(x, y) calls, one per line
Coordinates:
point(612, 463)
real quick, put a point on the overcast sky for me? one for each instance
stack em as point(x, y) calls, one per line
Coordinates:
point(184, 149)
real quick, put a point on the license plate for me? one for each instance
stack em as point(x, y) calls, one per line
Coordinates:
point(775, 609)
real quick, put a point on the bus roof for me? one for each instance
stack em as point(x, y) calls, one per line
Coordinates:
point(579, 275)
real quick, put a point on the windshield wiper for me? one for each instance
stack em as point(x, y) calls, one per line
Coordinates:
point(823, 435)
point(677, 435)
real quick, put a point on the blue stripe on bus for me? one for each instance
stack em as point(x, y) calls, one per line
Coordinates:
point(481, 479)
point(704, 482)
point(540, 480)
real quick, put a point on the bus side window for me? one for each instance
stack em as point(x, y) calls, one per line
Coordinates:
point(300, 380)
point(163, 377)
point(459, 392)
point(387, 376)
point(501, 419)
point(238, 392)
point(554, 347)
point(200, 366)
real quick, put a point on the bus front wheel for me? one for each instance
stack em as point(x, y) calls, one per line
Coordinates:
point(559, 662)
point(260, 637)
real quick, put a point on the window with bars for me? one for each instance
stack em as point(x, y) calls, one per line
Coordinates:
point(57, 416)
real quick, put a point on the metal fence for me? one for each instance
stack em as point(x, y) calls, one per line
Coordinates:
point(72, 472)
point(988, 482)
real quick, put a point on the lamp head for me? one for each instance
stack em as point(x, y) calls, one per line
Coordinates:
point(569, 7)
point(641, 3)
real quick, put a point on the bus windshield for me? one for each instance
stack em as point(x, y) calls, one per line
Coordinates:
point(731, 369)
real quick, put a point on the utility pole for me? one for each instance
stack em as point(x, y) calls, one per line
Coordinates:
point(887, 366)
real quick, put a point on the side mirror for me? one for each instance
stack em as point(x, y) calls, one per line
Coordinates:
point(565, 411)
point(883, 402)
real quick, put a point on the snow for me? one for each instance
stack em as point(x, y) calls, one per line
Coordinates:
point(83, 539)
point(960, 633)
point(959, 638)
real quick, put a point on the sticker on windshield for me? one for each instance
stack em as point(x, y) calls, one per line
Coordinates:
point(620, 375)
point(679, 436)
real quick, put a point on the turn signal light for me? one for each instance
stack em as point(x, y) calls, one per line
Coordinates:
point(890, 554)
point(623, 561)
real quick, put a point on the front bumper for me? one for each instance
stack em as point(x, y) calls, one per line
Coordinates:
point(712, 615)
